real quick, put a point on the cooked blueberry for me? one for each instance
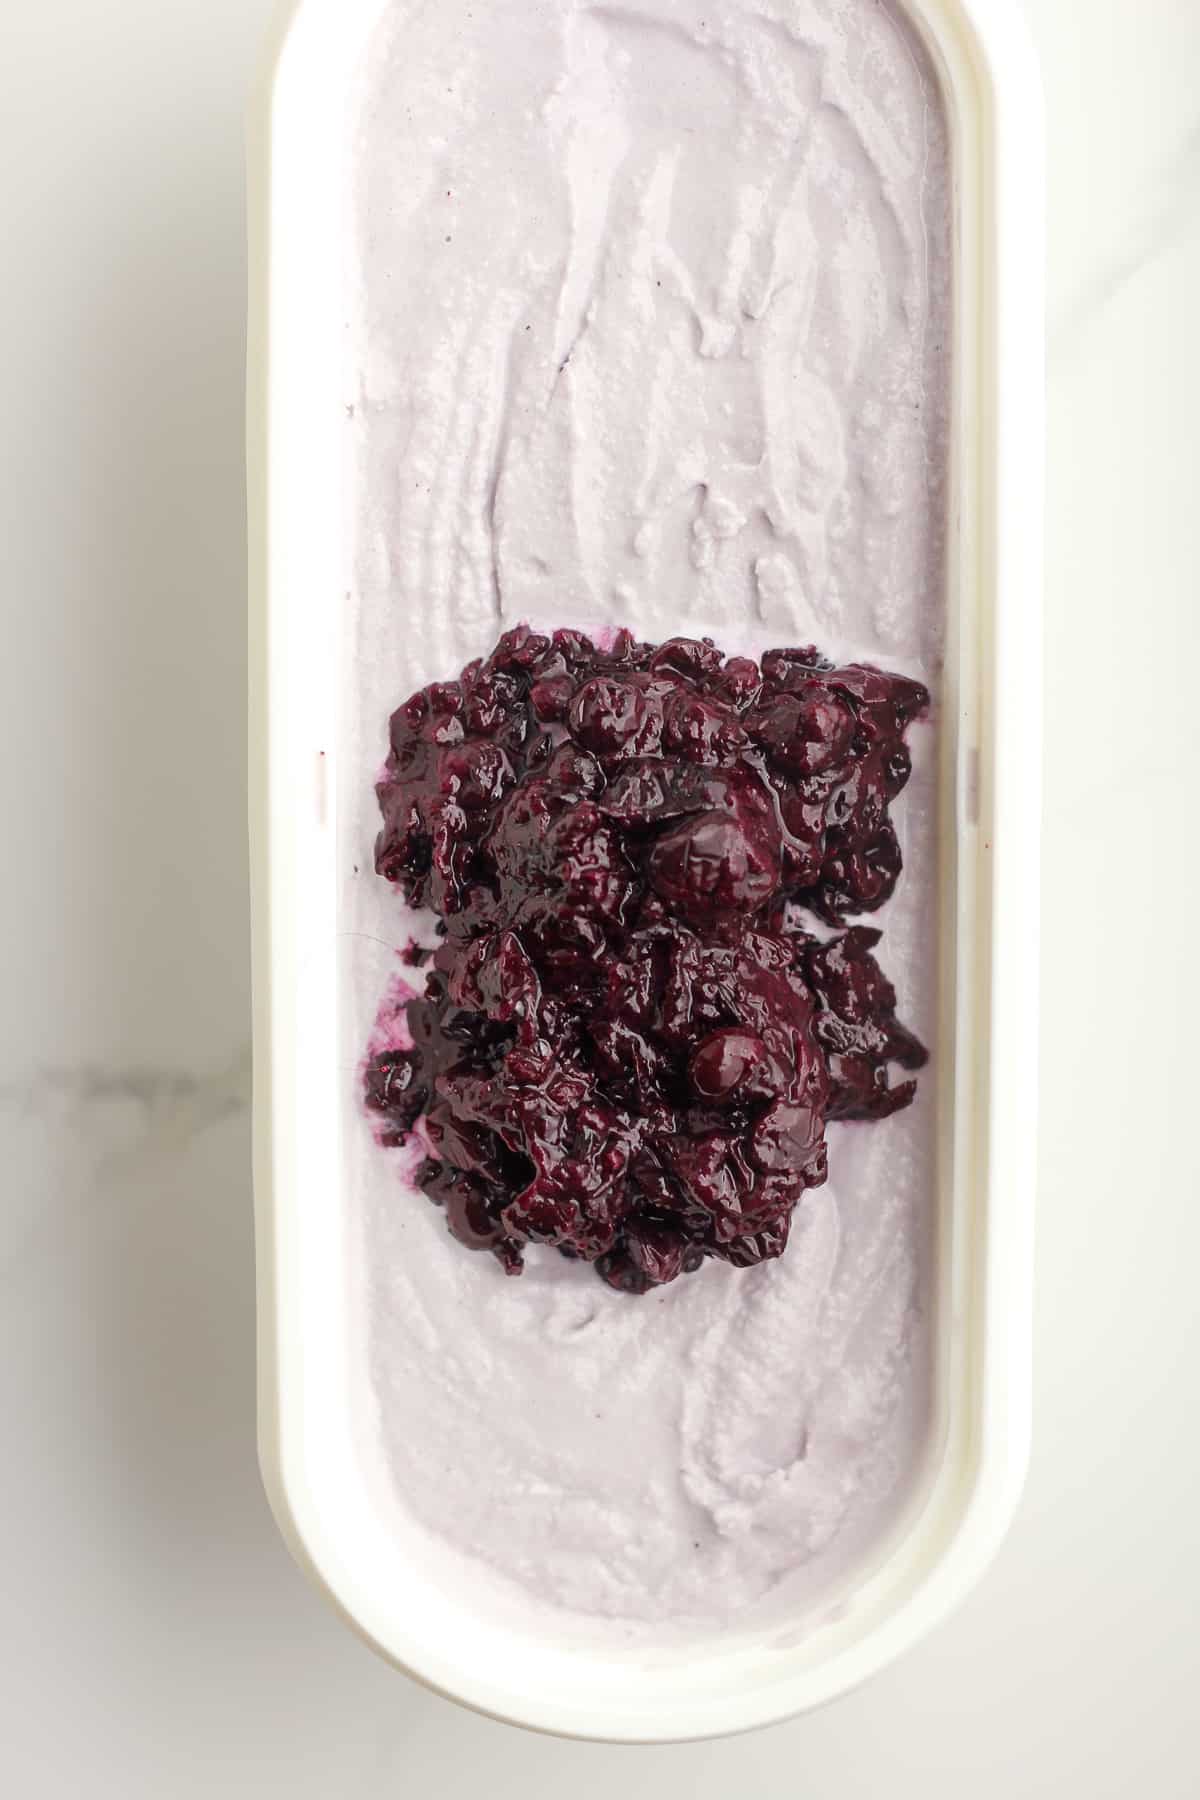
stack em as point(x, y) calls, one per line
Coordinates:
point(804, 733)
point(712, 865)
point(607, 714)
point(722, 1062)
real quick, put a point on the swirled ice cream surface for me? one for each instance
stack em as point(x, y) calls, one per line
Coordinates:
point(647, 325)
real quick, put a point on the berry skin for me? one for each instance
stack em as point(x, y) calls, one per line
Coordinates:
point(721, 1063)
point(713, 865)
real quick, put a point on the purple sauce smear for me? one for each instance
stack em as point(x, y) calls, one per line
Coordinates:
point(629, 1045)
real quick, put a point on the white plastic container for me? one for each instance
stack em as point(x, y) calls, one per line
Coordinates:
point(989, 924)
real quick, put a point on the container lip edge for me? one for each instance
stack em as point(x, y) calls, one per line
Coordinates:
point(964, 1558)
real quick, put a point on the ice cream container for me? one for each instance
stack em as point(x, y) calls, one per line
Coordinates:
point(307, 961)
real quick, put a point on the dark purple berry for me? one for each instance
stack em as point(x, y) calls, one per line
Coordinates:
point(723, 1061)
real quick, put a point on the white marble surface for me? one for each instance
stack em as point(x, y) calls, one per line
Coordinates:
point(159, 1641)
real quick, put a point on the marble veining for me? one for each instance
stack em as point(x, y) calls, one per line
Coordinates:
point(162, 1642)
point(64, 1130)
point(1168, 208)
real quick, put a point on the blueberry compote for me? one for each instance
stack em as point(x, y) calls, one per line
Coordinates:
point(630, 1043)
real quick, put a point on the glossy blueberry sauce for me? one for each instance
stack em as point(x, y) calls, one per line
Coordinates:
point(638, 1021)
